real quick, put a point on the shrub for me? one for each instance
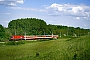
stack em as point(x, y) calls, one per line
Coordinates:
point(15, 42)
point(11, 43)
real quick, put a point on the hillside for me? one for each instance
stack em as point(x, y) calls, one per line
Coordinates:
point(34, 26)
point(61, 49)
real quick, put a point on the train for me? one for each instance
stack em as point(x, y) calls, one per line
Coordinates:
point(36, 37)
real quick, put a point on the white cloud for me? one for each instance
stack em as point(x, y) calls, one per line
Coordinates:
point(51, 21)
point(1, 0)
point(85, 25)
point(69, 10)
point(11, 2)
point(78, 18)
point(7, 21)
point(27, 9)
point(7, 13)
point(20, 1)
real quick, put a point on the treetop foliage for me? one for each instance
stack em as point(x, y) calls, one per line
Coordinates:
point(34, 26)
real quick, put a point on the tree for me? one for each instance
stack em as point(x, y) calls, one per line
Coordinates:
point(2, 33)
point(30, 25)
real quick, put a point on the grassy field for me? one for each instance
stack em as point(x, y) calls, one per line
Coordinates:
point(60, 49)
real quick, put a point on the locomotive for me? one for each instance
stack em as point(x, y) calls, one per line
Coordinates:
point(15, 37)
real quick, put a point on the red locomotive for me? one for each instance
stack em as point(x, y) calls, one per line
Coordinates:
point(17, 38)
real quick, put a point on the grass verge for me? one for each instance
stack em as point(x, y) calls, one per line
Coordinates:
point(60, 49)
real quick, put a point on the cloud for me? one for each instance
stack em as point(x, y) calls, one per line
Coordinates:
point(7, 21)
point(69, 10)
point(78, 18)
point(27, 9)
point(7, 13)
point(85, 25)
point(20, 1)
point(11, 2)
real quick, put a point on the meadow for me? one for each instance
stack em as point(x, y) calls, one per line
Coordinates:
point(60, 49)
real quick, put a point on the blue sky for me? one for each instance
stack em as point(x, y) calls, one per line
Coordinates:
point(74, 13)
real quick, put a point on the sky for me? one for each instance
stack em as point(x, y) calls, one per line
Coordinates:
point(74, 13)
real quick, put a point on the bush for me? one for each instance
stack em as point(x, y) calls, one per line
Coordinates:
point(15, 42)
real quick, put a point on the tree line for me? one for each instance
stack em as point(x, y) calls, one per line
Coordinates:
point(34, 26)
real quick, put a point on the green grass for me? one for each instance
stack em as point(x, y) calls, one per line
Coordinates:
point(60, 49)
